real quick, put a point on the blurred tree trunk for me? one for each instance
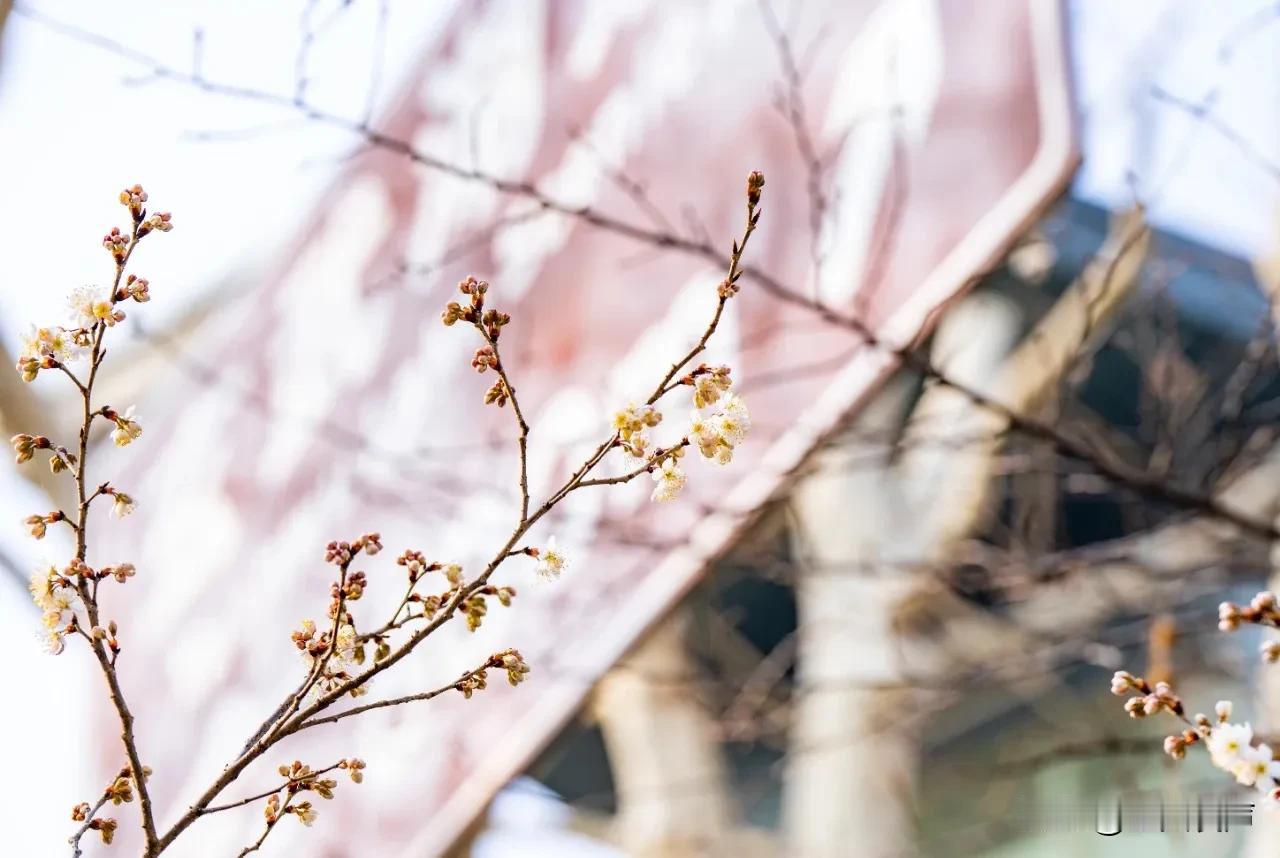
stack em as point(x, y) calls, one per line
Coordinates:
point(664, 751)
point(853, 750)
point(862, 529)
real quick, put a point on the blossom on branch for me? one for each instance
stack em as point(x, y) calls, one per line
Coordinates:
point(670, 480)
point(551, 561)
point(123, 505)
point(90, 305)
point(56, 342)
point(127, 430)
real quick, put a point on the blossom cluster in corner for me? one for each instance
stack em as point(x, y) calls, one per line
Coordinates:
point(1231, 746)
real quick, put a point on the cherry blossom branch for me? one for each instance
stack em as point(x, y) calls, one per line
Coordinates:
point(69, 597)
point(1230, 746)
point(106, 660)
point(490, 322)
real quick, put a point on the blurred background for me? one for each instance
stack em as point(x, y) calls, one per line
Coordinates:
point(1008, 338)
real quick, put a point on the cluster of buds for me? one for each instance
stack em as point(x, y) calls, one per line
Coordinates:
point(493, 322)
point(303, 810)
point(160, 222)
point(508, 660)
point(485, 357)
point(108, 636)
point(415, 564)
point(105, 827)
point(354, 768)
point(490, 323)
point(306, 639)
point(38, 525)
point(452, 574)
point(272, 809)
point(503, 594)
point(1150, 700)
point(1177, 744)
point(708, 383)
point(369, 543)
point(337, 653)
point(470, 683)
point(121, 790)
point(1261, 610)
point(300, 778)
point(474, 608)
point(29, 367)
point(430, 604)
point(25, 446)
point(338, 553)
point(135, 200)
point(471, 312)
point(351, 589)
point(61, 460)
point(121, 572)
point(497, 394)
point(117, 244)
point(513, 663)
point(316, 645)
point(137, 288)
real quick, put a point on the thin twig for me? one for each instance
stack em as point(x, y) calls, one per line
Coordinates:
point(395, 701)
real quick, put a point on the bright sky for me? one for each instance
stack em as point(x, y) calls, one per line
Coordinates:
point(1196, 180)
point(79, 123)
